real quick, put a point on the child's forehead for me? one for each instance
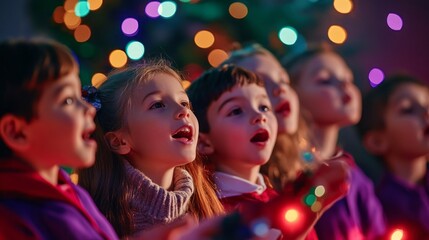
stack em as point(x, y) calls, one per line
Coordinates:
point(409, 90)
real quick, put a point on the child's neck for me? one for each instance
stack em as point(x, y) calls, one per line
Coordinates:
point(50, 175)
point(250, 174)
point(411, 171)
point(162, 177)
point(325, 140)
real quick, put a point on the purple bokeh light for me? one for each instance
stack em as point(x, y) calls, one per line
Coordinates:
point(375, 76)
point(394, 21)
point(152, 9)
point(130, 26)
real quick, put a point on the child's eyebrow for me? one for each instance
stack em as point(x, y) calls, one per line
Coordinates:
point(58, 89)
point(227, 101)
point(150, 94)
point(260, 96)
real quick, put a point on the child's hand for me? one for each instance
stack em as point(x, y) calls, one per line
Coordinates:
point(302, 203)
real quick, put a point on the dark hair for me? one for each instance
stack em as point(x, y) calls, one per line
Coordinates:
point(212, 84)
point(376, 100)
point(26, 68)
point(106, 180)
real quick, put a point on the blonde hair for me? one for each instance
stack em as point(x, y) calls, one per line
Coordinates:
point(106, 180)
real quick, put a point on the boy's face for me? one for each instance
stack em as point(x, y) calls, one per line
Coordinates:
point(161, 128)
point(326, 90)
point(407, 121)
point(283, 98)
point(60, 133)
point(243, 128)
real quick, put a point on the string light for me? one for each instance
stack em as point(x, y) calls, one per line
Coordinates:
point(394, 21)
point(118, 58)
point(288, 35)
point(204, 39)
point(337, 34)
point(216, 57)
point(375, 76)
point(238, 10)
point(97, 79)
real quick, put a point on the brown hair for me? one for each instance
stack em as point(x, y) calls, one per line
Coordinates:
point(285, 162)
point(26, 68)
point(212, 84)
point(106, 181)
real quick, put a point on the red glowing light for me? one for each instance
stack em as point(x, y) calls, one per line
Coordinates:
point(398, 234)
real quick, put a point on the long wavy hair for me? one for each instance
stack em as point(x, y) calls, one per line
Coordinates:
point(106, 181)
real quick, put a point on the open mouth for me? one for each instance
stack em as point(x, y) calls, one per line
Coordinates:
point(283, 108)
point(88, 136)
point(184, 134)
point(260, 137)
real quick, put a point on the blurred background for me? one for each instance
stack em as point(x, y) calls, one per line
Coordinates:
point(376, 37)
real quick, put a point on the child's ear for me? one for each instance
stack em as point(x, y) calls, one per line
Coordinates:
point(117, 143)
point(204, 145)
point(13, 132)
point(376, 142)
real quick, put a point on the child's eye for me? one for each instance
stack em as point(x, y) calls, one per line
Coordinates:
point(264, 108)
point(235, 111)
point(186, 104)
point(69, 101)
point(157, 105)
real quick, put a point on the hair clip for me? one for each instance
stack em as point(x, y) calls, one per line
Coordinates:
point(90, 95)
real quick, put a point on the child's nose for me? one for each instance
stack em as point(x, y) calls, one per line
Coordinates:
point(183, 112)
point(259, 118)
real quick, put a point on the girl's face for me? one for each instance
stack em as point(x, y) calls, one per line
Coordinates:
point(160, 126)
point(243, 128)
point(283, 98)
point(59, 134)
point(327, 92)
point(407, 121)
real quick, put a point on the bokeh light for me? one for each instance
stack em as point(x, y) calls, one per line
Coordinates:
point(58, 14)
point(69, 5)
point(167, 9)
point(118, 58)
point(204, 39)
point(135, 50)
point(238, 10)
point(310, 199)
point(394, 21)
point(291, 215)
point(95, 4)
point(288, 35)
point(343, 6)
point(71, 20)
point(185, 84)
point(317, 206)
point(81, 9)
point(152, 9)
point(193, 71)
point(260, 227)
point(398, 234)
point(375, 76)
point(337, 34)
point(82, 33)
point(319, 191)
point(216, 57)
point(130, 26)
point(97, 79)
